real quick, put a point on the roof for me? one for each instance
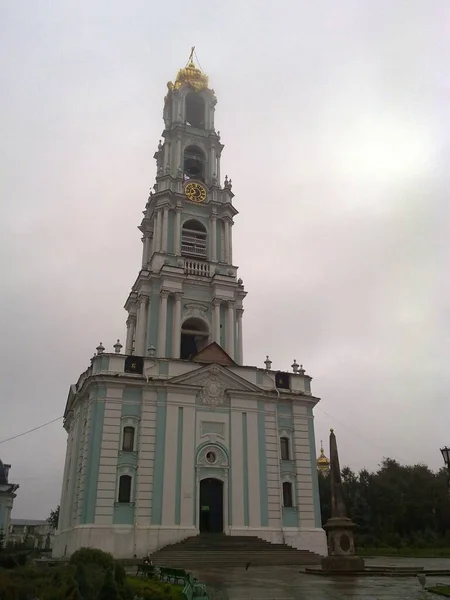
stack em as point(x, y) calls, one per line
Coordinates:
point(33, 522)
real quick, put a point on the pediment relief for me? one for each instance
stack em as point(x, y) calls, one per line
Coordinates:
point(215, 381)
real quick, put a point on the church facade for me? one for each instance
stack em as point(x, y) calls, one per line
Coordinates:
point(172, 435)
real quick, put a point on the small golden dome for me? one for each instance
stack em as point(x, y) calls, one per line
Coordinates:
point(323, 463)
point(191, 76)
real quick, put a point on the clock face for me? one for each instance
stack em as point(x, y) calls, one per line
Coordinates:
point(195, 192)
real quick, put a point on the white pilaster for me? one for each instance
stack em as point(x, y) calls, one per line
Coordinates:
point(302, 454)
point(131, 325)
point(230, 242)
point(162, 328)
point(240, 357)
point(145, 250)
point(141, 326)
point(226, 226)
point(216, 304)
point(165, 228)
point(230, 329)
point(177, 233)
point(158, 231)
point(214, 238)
point(176, 333)
point(179, 158)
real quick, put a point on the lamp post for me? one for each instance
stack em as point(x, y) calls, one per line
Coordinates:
point(446, 456)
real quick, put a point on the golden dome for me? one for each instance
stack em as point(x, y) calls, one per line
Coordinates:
point(323, 463)
point(191, 76)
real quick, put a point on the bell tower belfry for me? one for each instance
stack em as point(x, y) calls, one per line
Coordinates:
point(187, 294)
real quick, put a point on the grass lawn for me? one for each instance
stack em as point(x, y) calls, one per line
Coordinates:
point(141, 584)
point(405, 552)
point(442, 590)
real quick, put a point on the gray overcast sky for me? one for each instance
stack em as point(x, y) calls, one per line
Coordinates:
point(336, 130)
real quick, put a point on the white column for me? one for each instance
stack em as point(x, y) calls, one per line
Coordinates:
point(177, 233)
point(226, 225)
point(240, 358)
point(178, 160)
point(216, 304)
point(158, 231)
point(162, 324)
point(131, 324)
point(230, 242)
point(218, 169)
point(212, 161)
point(165, 228)
point(166, 154)
point(145, 251)
point(230, 329)
point(176, 333)
point(214, 238)
point(139, 349)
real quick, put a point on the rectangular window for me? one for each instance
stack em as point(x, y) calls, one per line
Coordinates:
point(128, 439)
point(125, 488)
point(287, 494)
point(284, 443)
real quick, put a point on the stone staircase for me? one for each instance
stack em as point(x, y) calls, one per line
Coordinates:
point(219, 551)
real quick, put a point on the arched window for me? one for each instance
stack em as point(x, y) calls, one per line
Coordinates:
point(125, 488)
point(128, 439)
point(287, 493)
point(193, 239)
point(194, 163)
point(195, 110)
point(194, 337)
point(284, 445)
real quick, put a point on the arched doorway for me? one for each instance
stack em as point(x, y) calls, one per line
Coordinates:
point(211, 505)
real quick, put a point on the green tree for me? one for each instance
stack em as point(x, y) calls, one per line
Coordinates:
point(53, 518)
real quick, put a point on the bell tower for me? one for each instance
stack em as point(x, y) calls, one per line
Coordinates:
point(187, 294)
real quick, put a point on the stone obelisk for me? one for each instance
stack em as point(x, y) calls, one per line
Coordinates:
point(339, 528)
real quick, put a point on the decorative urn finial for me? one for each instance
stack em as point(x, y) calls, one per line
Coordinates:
point(268, 363)
point(117, 347)
point(100, 348)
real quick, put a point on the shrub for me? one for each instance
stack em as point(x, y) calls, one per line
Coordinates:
point(109, 590)
point(92, 556)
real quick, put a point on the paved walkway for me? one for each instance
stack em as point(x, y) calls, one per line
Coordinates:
point(287, 583)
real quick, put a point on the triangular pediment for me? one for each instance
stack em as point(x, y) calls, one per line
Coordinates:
point(227, 379)
point(213, 353)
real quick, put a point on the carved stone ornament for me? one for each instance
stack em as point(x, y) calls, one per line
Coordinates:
point(195, 310)
point(212, 456)
point(213, 392)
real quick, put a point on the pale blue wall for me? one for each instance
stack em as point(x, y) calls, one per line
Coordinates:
point(93, 456)
point(123, 514)
point(245, 467)
point(179, 466)
point(262, 464)
point(158, 473)
point(290, 516)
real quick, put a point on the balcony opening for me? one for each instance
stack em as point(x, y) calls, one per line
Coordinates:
point(193, 239)
point(194, 337)
point(194, 163)
point(195, 110)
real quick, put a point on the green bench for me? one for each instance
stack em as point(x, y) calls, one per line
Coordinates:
point(193, 589)
point(172, 575)
point(146, 570)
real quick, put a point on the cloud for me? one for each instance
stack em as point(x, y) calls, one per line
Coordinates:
point(336, 131)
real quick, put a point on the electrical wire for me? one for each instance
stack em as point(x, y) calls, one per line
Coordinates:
point(31, 430)
point(402, 460)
